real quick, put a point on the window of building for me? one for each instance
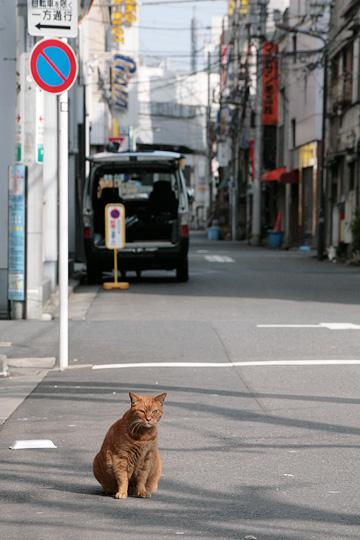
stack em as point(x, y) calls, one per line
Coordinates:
point(347, 62)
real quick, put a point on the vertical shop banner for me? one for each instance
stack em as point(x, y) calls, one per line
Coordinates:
point(39, 126)
point(17, 232)
point(270, 84)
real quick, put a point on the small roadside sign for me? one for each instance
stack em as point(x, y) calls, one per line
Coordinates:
point(53, 18)
point(115, 226)
point(53, 66)
point(115, 240)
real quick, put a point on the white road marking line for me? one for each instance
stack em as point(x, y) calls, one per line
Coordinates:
point(328, 326)
point(5, 343)
point(219, 258)
point(227, 365)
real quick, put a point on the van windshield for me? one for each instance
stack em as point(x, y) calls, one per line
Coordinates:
point(134, 184)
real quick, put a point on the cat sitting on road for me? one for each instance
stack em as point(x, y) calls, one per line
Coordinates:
point(129, 463)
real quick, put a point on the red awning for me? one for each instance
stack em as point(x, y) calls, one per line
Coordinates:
point(274, 175)
point(290, 177)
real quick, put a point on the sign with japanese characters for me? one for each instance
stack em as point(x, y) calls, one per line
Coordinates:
point(17, 232)
point(123, 15)
point(53, 18)
point(270, 84)
point(115, 226)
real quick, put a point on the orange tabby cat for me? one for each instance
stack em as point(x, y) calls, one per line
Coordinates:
point(129, 461)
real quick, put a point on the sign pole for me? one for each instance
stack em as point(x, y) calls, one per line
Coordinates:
point(63, 230)
point(115, 266)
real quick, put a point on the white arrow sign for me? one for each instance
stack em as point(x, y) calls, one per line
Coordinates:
point(53, 18)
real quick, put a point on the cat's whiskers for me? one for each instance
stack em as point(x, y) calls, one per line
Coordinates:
point(135, 426)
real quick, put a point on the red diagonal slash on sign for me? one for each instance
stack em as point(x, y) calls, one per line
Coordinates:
point(40, 78)
point(55, 68)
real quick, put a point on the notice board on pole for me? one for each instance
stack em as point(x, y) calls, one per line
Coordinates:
point(49, 18)
point(17, 232)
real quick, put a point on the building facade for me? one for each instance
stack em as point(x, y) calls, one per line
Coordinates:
point(342, 156)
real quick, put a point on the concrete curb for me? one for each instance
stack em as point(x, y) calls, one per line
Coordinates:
point(22, 377)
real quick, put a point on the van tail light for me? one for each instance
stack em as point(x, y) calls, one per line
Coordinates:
point(184, 231)
point(87, 233)
point(184, 226)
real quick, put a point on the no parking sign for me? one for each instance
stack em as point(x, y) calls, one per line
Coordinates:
point(53, 66)
point(115, 226)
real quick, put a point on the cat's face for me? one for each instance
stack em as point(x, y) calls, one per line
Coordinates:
point(147, 410)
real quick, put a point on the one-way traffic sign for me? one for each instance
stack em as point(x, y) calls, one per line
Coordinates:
point(53, 18)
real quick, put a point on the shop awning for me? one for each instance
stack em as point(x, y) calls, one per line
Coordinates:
point(281, 175)
point(290, 177)
point(274, 175)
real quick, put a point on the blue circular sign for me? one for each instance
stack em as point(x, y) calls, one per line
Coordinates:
point(53, 65)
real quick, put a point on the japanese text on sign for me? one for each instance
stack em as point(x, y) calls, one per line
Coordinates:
point(58, 18)
point(115, 226)
point(123, 14)
point(270, 84)
point(17, 232)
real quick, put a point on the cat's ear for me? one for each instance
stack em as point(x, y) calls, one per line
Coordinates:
point(134, 398)
point(161, 398)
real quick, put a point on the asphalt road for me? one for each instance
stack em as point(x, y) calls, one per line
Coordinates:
point(250, 451)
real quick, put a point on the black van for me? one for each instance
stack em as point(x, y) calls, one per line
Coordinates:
point(152, 188)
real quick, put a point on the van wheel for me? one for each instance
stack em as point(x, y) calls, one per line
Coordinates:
point(94, 275)
point(182, 271)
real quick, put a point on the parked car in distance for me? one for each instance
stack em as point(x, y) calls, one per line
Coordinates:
point(152, 188)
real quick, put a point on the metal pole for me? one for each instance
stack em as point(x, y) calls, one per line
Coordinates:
point(208, 130)
point(256, 198)
point(322, 208)
point(235, 179)
point(115, 266)
point(63, 229)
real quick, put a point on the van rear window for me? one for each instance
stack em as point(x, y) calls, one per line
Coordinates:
point(135, 184)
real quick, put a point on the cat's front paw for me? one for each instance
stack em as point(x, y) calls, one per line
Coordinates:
point(142, 493)
point(121, 495)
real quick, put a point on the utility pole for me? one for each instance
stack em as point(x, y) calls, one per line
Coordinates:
point(7, 133)
point(208, 131)
point(236, 128)
point(194, 43)
point(256, 192)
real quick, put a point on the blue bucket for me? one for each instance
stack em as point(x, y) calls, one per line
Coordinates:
point(214, 233)
point(275, 239)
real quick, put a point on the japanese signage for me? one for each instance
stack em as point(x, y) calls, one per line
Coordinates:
point(115, 226)
point(123, 68)
point(39, 126)
point(123, 15)
point(308, 155)
point(270, 84)
point(243, 6)
point(17, 230)
point(53, 18)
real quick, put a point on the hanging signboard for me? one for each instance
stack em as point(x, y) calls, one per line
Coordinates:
point(123, 15)
point(53, 18)
point(115, 226)
point(39, 126)
point(270, 84)
point(17, 232)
